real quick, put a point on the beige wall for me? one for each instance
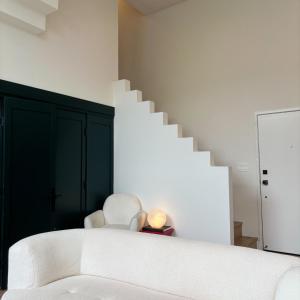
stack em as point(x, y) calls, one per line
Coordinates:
point(77, 56)
point(211, 64)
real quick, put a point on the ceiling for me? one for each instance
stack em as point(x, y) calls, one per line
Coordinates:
point(147, 7)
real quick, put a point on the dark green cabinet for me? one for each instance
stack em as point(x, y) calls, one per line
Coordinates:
point(28, 161)
point(56, 162)
point(99, 143)
point(70, 150)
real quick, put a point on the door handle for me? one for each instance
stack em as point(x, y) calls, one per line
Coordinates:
point(265, 182)
point(54, 196)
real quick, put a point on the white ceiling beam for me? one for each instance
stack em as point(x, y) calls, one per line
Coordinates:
point(29, 15)
point(44, 6)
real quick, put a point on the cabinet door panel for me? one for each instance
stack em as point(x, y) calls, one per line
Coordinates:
point(69, 169)
point(29, 161)
point(99, 161)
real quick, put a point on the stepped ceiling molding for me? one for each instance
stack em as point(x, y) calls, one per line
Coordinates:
point(29, 15)
point(147, 7)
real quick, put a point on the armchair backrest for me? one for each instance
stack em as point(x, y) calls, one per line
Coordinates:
point(121, 208)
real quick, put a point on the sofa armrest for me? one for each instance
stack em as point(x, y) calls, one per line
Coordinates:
point(289, 285)
point(40, 259)
point(138, 221)
point(94, 220)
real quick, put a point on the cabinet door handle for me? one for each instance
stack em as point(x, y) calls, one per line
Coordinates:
point(54, 196)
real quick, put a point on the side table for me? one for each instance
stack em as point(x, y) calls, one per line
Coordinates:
point(168, 232)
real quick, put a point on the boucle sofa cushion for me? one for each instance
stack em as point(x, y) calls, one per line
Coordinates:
point(188, 268)
point(289, 285)
point(43, 258)
point(89, 288)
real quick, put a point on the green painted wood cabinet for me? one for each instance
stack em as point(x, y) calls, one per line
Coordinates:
point(56, 162)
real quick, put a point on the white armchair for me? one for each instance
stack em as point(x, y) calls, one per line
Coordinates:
point(120, 211)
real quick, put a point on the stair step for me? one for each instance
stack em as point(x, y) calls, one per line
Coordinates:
point(121, 87)
point(237, 224)
point(162, 117)
point(189, 142)
point(149, 106)
point(238, 230)
point(247, 241)
point(205, 157)
point(175, 130)
point(135, 95)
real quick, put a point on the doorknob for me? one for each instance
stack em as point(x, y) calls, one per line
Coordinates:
point(265, 182)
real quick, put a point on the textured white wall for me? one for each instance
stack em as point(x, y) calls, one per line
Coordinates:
point(211, 65)
point(164, 171)
point(77, 55)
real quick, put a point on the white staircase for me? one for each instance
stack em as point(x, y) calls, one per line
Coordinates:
point(154, 161)
point(30, 15)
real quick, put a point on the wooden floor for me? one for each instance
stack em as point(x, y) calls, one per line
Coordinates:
point(1, 293)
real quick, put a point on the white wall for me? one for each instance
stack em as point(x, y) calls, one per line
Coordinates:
point(76, 56)
point(165, 171)
point(211, 65)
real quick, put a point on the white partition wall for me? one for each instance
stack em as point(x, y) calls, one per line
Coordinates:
point(165, 170)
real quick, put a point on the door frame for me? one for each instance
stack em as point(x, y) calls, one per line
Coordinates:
point(259, 198)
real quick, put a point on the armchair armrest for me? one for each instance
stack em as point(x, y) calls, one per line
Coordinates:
point(94, 220)
point(138, 221)
point(43, 258)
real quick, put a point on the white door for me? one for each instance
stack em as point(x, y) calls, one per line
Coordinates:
point(279, 154)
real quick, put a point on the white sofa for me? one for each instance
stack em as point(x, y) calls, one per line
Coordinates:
point(116, 264)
